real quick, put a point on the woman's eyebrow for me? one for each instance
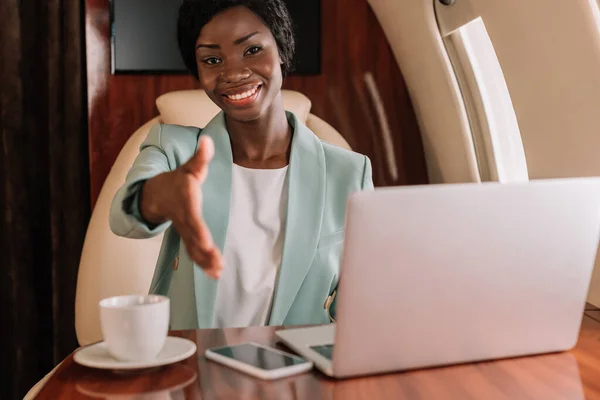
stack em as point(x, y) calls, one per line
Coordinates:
point(243, 39)
point(236, 42)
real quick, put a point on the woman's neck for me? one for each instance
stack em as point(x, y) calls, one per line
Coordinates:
point(262, 143)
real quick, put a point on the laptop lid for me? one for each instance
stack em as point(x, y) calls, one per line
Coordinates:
point(443, 274)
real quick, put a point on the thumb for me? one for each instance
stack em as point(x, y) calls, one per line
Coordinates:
point(198, 164)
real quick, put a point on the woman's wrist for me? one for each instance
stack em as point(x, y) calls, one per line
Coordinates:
point(149, 202)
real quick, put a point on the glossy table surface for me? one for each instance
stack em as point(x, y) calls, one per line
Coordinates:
point(570, 375)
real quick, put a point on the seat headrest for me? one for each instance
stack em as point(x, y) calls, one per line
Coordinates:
point(195, 108)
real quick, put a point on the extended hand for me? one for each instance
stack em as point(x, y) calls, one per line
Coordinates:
point(177, 196)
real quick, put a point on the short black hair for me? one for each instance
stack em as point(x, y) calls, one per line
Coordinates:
point(194, 14)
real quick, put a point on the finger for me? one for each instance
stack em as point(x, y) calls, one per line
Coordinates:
point(199, 256)
point(198, 164)
point(191, 241)
point(210, 262)
point(215, 264)
point(199, 241)
point(192, 221)
point(200, 234)
point(200, 244)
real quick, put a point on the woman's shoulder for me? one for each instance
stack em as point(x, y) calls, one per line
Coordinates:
point(177, 142)
point(174, 137)
point(341, 159)
point(335, 157)
point(170, 133)
point(346, 169)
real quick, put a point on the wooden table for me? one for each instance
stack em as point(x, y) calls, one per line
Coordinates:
point(570, 375)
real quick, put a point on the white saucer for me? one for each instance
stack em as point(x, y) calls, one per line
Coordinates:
point(97, 355)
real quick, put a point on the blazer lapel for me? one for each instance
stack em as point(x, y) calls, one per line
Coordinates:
point(306, 197)
point(216, 192)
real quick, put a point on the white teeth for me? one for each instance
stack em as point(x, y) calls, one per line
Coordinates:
point(243, 95)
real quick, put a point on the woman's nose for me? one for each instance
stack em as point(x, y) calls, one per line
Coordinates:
point(235, 74)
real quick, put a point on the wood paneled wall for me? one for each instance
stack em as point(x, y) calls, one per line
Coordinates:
point(353, 45)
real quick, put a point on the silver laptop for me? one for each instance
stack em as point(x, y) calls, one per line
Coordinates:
point(444, 274)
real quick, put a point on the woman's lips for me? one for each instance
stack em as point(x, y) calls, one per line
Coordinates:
point(243, 98)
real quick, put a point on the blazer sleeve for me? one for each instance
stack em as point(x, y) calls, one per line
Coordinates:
point(367, 184)
point(125, 217)
point(367, 181)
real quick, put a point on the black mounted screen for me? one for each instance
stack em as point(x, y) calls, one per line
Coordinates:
point(144, 38)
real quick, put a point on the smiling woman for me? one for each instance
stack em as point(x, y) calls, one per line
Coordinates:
point(236, 74)
point(253, 199)
point(240, 56)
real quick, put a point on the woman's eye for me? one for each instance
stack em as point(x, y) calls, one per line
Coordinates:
point(211, 60)
point(253, 50)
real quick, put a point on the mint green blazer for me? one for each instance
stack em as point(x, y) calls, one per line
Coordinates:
point(321, 177)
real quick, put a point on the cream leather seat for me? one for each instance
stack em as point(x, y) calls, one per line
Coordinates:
point(112, 265)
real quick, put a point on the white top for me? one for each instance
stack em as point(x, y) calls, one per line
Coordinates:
point(253, 247)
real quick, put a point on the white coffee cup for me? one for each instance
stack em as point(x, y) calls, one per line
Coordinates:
point(135, 327)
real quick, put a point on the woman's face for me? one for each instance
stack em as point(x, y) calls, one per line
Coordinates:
point(238, 63)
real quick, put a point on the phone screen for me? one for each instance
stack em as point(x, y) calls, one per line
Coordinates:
point(258, 357)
